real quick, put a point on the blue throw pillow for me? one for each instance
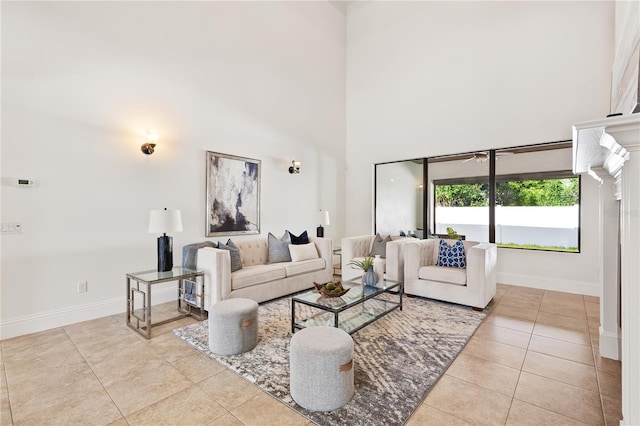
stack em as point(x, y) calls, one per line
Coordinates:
point(279, 249)
point(234, 254)
point(452, 256)
point(302, 239)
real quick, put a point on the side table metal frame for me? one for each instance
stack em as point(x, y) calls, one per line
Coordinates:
point(143, 323)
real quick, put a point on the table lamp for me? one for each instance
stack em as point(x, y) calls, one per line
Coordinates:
point(161, 222)
point(324, 220)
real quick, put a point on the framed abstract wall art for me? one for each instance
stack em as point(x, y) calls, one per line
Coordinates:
point(233, 195)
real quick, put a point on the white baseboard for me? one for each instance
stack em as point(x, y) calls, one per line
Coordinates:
point(610, 344)
point(546, 283)
point(61, 317)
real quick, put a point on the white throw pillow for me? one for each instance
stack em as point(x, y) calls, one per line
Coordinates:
point(303, 252)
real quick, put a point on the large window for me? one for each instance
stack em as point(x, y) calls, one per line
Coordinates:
point(523, 197)
point(538, 211)
point(462, 208)
point(541, 214)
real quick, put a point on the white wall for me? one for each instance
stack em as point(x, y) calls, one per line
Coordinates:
point(81, 81)
point(434, 78)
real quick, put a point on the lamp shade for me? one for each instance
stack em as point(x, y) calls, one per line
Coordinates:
point(325, 218)
point(163, 221)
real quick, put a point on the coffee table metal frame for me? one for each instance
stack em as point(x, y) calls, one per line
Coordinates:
point(140, 319)
point(358, 295)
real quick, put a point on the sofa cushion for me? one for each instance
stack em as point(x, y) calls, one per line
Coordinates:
point(303, 252)
point(379, 246)
point(279, 248)
point(256, 274)
point(304, 266)
point(301, 239)
point(443, 274)
point(452, 256)
point(234, 254)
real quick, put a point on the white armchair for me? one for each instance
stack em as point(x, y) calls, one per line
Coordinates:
point(357, 248)
point(474, 286)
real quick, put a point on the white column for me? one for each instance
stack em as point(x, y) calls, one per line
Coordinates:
point(630, 236)
point(613, 144)
point(610, 336)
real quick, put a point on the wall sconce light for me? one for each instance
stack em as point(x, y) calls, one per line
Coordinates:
point(295, 167)
point(150, 144)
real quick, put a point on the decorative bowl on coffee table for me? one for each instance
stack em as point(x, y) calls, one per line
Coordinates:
point(333, 291)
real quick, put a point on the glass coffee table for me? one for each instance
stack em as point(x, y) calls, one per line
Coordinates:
point(356, 309)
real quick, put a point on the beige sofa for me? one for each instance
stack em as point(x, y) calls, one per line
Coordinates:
point(357, 248)
point(474, 286)
point(259, 280)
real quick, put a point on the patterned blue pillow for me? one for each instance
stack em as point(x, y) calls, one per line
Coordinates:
point(452, 256)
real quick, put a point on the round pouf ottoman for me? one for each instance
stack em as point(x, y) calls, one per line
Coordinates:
point(233, 326)
point(321, 368)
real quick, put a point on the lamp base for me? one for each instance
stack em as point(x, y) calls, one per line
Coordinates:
point(165, 253)
point(320, 231)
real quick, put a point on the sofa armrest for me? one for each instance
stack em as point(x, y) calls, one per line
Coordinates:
point(216, 265)
point(353, 247)
point(481, 270)
point(412, 261)
point(325, 251)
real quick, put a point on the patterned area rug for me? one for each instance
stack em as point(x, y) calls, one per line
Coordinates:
point(397, 359)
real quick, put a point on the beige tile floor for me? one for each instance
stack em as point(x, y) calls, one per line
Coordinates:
point(532, 361)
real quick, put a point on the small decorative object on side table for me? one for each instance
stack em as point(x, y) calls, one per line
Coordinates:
point(190, 292)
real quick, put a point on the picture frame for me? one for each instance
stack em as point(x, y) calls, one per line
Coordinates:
point(233, 195)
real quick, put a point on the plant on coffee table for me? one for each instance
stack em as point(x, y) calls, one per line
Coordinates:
point(366, 264)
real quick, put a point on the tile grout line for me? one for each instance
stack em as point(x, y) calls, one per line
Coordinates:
point(4, 377)
point(595, 365)
point(95, 375)
point(513, 397)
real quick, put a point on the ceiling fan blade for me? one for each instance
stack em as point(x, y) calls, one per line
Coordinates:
point(469, 159)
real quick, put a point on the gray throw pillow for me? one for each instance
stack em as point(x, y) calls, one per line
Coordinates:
point(234, 254)
point(279, 249)
point(379, 246)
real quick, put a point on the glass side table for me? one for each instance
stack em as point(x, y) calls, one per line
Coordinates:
point(190, 295)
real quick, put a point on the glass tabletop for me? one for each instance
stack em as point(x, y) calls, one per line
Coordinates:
point(155, 276)
point(356, 294)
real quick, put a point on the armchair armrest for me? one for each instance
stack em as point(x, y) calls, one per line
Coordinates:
point(353, 247)
point(412, 262)
point(481, 270)
point(418, 253)
point(216, 265)
point(395, 259)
